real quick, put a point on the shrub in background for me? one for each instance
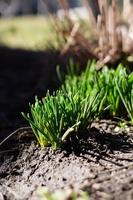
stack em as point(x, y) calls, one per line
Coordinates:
point(107, 35)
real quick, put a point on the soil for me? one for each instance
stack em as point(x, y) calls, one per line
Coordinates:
point(101, 163)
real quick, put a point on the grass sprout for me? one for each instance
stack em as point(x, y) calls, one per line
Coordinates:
point(125, 89)
point(54, 118)
point(118, 86)
point(106, 80)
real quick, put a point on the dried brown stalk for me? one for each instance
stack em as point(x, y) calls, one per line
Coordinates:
point(113, 39)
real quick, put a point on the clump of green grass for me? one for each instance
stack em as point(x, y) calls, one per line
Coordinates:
point(116, 86)
point(107, 80)
point(56, 117)
point(67, 112)
point(72, 109)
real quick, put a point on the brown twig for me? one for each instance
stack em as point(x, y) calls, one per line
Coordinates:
point(14, 133)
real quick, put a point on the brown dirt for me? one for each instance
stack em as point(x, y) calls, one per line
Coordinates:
point(102, 164)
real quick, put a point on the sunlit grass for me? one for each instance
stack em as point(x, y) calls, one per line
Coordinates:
point(27, 32)
point(70, 111)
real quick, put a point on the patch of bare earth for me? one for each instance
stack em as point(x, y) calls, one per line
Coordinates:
point(101, 163)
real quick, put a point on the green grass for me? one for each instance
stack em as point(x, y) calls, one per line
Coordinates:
point(125, 89)
point(107, 79)
point(57, 117)
point(116, 84)
point(71, 110)
point(28, 32)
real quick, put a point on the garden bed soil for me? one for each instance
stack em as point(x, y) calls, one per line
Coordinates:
point(102, 164)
